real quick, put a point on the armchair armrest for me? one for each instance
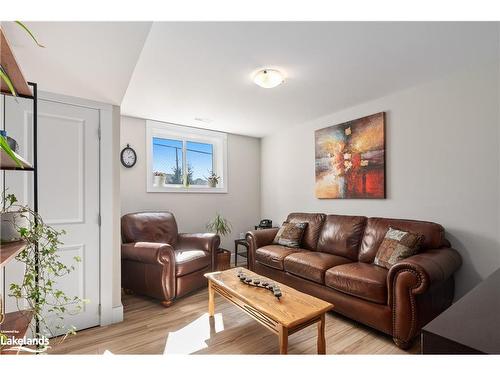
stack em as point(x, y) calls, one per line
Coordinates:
point(200, 241)
point(208, 242)
point(416, 275)
point(256, 239)
point(148, 252)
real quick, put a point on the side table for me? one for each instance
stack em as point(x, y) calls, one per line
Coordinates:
point(241, 242)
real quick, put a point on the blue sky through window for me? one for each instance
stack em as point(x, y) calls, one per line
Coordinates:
point(167, 155)
point(200, 159)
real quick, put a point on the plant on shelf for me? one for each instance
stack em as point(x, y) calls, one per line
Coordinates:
point(42, 268)
point(213, 179)
point(219, 225)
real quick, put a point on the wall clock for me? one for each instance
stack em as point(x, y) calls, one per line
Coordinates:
point(128, 157)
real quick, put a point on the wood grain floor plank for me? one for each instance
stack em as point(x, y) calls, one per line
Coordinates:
point(149, 328)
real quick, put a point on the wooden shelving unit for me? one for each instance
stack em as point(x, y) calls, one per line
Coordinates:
point(9, 250)
point(15, 325)
point(6, 163)
point(10, 65)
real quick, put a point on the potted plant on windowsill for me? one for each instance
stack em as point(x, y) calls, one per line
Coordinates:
point(221, 226)
point(158, 178)
point(213, 179)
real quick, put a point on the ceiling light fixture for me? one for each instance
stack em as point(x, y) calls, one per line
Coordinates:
point(268, 78)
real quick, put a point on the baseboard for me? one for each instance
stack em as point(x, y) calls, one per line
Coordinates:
point(117, 314)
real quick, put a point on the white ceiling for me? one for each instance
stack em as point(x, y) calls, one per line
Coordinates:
point(194, 69)
point(92, 60)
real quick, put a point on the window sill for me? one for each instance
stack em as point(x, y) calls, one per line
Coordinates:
point(182, 189)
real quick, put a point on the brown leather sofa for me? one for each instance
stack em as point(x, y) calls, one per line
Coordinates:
point(159, 262)
point(336, 265)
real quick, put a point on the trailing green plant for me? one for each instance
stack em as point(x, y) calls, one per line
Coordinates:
point(38, 288)
point(5, 77)
point(219, 225)
point(3, 74)
point(25, 28)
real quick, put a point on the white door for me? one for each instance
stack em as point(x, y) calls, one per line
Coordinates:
point(68, 191)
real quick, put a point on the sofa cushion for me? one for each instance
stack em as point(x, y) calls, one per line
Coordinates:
point(290, 234)
point(376, 228)
point(314, 224)
point(366, 281)
point(273, 255)
point(188, 261)
point(312, 265)
point(397, 245)
point(342, 235)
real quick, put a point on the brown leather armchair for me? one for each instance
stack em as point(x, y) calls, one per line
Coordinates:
point(159, 262)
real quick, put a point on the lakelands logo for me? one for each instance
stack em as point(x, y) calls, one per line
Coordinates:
point(23, 344)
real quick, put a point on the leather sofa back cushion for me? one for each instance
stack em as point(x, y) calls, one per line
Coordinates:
point(314, 224)
point(376, 228)
point(341, 235)
point(149, 227)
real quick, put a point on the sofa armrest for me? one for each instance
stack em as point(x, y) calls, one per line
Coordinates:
point(208, 242)
point(416, 275)
point(427, 268)
point(148, 252)
point(256, 239)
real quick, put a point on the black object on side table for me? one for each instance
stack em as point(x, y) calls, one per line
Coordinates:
point(244, 243)
point(470, 326)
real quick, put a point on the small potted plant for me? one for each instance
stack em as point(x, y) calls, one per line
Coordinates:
point(221, 226)
point(158, 178)
point(213, 179)
point(11, 219)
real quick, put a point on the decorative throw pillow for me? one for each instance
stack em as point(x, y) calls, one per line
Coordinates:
point(397, 245)
point(290, 234)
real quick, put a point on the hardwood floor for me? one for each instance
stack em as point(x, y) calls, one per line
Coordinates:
point(149, 328)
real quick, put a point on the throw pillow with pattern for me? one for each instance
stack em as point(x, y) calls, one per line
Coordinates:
point(397, 245)
point(290, 234)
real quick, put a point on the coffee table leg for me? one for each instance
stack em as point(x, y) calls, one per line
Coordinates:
point(283, 339)
point(321, 335)
point(211, 299)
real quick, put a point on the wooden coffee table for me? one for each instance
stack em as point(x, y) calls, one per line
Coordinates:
point(291, 313)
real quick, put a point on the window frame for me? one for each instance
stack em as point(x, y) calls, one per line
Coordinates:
point(218, 140)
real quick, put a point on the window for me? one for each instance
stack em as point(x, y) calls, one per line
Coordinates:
point(182, 159)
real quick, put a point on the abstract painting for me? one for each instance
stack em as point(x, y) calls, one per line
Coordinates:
point(350, 159)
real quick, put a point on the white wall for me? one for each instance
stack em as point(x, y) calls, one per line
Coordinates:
point(442, 149)
point(241, 205)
